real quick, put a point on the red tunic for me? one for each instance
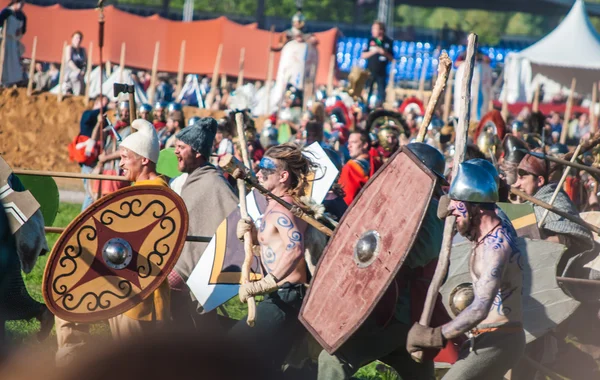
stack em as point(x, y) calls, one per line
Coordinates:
point(355, 175)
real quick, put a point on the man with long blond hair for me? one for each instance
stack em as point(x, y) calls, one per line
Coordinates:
point(281, 240)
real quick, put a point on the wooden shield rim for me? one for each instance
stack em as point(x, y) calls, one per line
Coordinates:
point(146, 292)
point(332, 348)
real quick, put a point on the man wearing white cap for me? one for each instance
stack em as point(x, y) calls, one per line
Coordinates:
point(139, 155)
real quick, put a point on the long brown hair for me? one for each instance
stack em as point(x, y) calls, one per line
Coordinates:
point(294, 162)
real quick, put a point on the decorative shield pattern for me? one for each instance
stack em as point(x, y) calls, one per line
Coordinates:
point(367, 250)
point(115, 254)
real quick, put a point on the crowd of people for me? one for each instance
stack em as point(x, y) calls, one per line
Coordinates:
point(487, 336)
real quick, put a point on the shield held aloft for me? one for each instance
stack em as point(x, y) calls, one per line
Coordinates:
point(115, 254)
point(367, 250)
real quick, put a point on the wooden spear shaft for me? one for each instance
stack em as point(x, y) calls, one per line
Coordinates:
point(443, 70)
point(565, 128)
point(32, 67)
point(122, 66)
point(390, 95)
point(70, 175)
point(461, 146)
point(215, 78)
point(61, 79)
point(240, 79)
point(152, 91)
point(239, 121)
point(180, 68)
point(3, 50)
point(448, 97)
point(566, 215)
point(196, 239)
point(593, 116)
point(560, 184)
point(330, 75)
point(505, 96)
point(88, 73)
point(535, 106)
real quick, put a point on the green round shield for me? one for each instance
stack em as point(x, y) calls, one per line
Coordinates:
point(45, 191)
point(167, 163)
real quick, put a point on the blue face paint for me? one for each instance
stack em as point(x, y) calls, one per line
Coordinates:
point(267, 163)
point(267, 167)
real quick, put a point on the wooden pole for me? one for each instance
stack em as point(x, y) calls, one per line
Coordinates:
point(309, 86)
point(213, 84)
point(565, 130)
point(560, 184)
point(535, 106)
point(269, 81)
point(197, 239)
point(505, 96)
point(475, 102)
point(461, 146)
point(3, 50)
point(448, 97)
point(331, 75)
point(70, 175)
point(239, 120)
point(152, 89)
point(390, 95)
point(180, 68)
point(566, 215)
point(444, 67)
point(61, 79)
point(122, 63)
point(88, 73)
point(223, 81)
point(593, 115)
point(108, 68)
point(240, 79)
point(32, 67)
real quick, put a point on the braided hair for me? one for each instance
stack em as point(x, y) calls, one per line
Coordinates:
point(295, 163)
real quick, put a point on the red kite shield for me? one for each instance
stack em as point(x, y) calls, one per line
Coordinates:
point(115, 254)
point(367, 250)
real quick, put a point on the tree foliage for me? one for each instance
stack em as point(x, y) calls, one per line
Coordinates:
point(490, 26)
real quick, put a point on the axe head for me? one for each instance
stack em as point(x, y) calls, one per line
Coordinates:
point(121, 87)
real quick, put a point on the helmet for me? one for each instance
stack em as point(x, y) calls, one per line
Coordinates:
point(558, 148)
point(268, 135)
point(473, 183)
point(386, 131)
point(193, 120)
point(517, 126)
point(488, 143)
point(124, 104)
point(487, 166)
point(431, 157)
point(161, 105)
point(175, 107)
point(145, 108)
point(512, 149)
point(299, 18)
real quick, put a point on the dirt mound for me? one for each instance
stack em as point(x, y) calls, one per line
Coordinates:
point(35, 131)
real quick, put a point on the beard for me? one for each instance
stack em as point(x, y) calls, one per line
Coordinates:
point(464, 227)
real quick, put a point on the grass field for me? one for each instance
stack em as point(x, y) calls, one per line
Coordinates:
point(24, 331)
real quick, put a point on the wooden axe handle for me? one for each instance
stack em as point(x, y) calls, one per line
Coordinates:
point(461, 146)
point(239, 121)
point(440, 84)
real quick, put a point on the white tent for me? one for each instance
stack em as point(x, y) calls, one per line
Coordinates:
point(572, 50)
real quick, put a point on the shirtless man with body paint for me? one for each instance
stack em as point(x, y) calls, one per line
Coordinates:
point(280, 236)
point(493, 321)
